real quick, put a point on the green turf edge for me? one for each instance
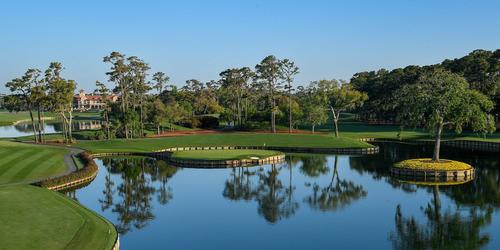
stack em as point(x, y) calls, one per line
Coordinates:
point(80, 240)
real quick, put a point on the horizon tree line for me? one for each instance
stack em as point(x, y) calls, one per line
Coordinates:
point(456, 94)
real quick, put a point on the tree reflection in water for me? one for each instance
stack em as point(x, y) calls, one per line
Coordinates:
point(135, 192)
point(275, 200)
point(338, 194)
point(448, 230)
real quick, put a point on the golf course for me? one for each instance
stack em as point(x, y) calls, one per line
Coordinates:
point(48, 219)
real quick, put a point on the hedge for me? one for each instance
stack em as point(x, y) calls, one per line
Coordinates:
point(89, 169)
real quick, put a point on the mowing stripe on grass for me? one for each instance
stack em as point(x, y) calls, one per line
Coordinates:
point(30, 164)
point(51, 165)
point(13, 160)
point(25, 162)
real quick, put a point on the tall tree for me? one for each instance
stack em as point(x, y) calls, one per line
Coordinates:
point(61, 92)
point(268, 73)
point(103, 92)
point(339, 97)
point(158, 114)
point(140, 87)
point(118, 74)
point(288, 73)
point(40, 99)
point(160, 80)
point(441, 98)
point(235, 83)
point(24, 92)
point(344, 98)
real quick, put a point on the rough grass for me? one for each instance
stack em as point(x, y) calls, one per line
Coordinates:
point(428, 164)
point(37, 218)
point(232, 154)
point(26, 163)
point(228, 139)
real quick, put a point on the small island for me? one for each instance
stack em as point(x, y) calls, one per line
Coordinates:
point(226, 157)
point(426, 168)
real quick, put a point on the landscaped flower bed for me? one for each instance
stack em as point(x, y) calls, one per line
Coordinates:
point(428, 164)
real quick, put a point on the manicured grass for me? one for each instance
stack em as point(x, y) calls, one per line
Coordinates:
point(228, 139)
point(37, 218)
point(428, 164)
point(26, 163)
point(233, 154)
point(9, 118)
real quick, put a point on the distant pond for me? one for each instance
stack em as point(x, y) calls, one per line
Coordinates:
point(25, 129)
point(309, 202)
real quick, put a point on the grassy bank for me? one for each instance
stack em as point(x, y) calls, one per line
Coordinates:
point(26, 163)
point(235, 154)
point(36, 218)
point(9, 118)
point(228, 139)
point(349, 127)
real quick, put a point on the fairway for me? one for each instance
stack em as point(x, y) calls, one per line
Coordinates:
point(233, 154)
point(229, 139)
point(28, 163)
point(9, 118)
point(43, 219)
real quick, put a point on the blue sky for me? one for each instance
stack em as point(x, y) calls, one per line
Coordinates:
point(199, 39)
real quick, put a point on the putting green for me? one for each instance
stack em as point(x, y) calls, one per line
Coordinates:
point(230, 154)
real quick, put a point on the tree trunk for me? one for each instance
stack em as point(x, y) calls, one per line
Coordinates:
point(43, 128)
point(70, 128)
point(33, 125)
point(40, 139)
point(437, 203)
point(142, 119)
point(290, 111)
point(158, 129)
point(313, 128)
point(437, 144)
point(239, 111)
point(107, 125)
point(64, 133)
point(335, 121)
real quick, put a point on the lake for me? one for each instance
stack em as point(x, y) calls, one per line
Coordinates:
point(308, 202)
point(25, 129)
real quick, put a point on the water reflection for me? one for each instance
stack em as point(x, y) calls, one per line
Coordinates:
point(453, 228)
point(275, 200)
point(131, 199)
point(309, 195)
point(339, 193)
point(26, 129)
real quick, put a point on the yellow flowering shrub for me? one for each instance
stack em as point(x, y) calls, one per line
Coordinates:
point(428, 164)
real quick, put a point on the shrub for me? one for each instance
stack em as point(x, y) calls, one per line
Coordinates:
point(428, 164)
point(208, 122)
point(89, 169)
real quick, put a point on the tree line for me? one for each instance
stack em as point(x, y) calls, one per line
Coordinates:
point(38, 93)
point(455, 94)
point(242, 98)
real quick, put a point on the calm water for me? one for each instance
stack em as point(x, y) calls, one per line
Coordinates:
point(309, 202)
point(25, 129)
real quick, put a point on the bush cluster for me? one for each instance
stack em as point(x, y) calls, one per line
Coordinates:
point(428, 164)
point(89, 169)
